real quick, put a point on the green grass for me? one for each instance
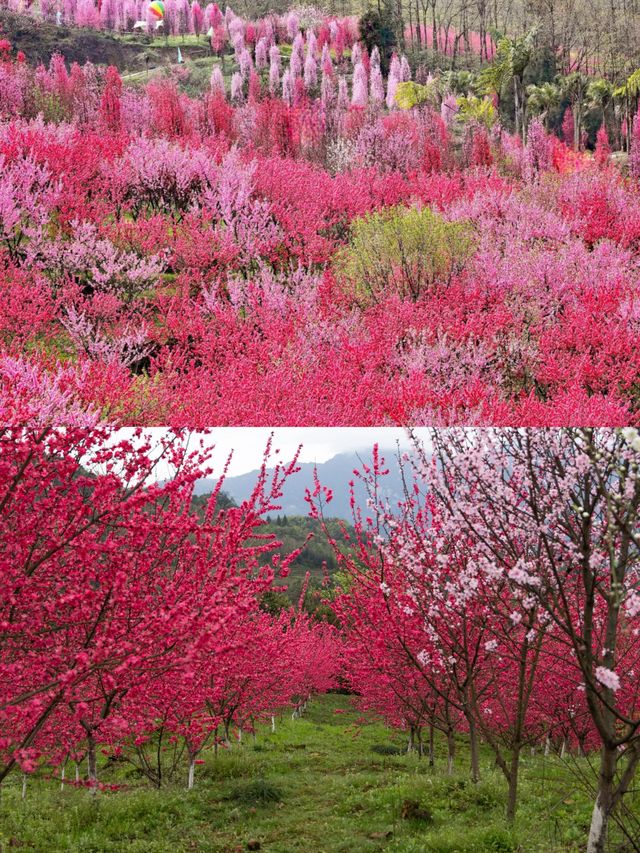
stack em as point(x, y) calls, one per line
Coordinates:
point(320, 783)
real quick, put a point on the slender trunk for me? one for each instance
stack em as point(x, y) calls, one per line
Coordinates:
point(411, 737)
point(512, 794)
point(24, 786)
point(451, 751)
point(432, 745)
point(273, 725)
point(473, 746)
point(603, 805)
point(77, 772)
point(192, 772)
point(62, 777)
point(563, 748)
point(547, 747)
point(92, 764)
point(420, 744)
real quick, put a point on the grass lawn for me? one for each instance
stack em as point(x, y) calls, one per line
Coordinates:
point(317, 784)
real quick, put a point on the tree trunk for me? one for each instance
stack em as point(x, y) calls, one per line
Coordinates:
point(273, 725)
point(24, 786)
point(92, 764)
point(451, 751)
point(62, 777)
point(410, 744)
point(192, 772)
point(473, 746)
point(512, 794)
point(432, 745)
point(604, 801)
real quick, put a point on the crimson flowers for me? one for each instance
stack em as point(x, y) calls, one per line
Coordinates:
point(175, 259)
point(125, 613)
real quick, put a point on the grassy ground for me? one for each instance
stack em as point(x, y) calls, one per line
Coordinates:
point(331, 792)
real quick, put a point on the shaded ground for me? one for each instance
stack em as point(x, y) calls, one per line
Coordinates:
point(334, 791)
point(130, 53)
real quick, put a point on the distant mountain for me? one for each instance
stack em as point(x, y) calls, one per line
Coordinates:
point(335, 474)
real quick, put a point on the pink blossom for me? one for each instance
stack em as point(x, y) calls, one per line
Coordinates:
point(608, 678)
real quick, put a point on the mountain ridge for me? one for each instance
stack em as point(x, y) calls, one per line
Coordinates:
point(335, 474)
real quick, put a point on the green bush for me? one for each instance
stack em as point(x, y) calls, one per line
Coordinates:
point(402, 249)
point(255, 793)
point(388, 749)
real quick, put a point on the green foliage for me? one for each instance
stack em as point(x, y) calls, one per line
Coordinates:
point(223, 501)
point(512, 59)
point(477, 110)
point(410, 94)
point(387, 749)
point(405, 249)
point(543, 98)
point(599, 92)
point(461, 82)
point(317, 558)
point(274, 602)
point(630, 88)
point(376, 30)
point(574, 86)
point(257, 793)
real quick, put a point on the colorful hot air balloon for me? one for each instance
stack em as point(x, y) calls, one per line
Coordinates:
point(157, 9)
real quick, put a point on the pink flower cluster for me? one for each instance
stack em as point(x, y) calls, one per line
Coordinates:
point(181, 256)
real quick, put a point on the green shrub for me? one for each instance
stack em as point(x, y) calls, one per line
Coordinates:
point(387, 749)
point(259, 792)
point(402, 249)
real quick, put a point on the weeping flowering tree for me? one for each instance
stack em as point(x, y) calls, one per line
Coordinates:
point(557, 513)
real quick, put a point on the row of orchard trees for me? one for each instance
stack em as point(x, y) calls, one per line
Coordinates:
point(501, 598)
point(130, 622)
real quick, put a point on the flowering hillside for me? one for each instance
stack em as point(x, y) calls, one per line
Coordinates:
point(306, 243)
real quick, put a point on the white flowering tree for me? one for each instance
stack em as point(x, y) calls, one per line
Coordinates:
point(555, 514)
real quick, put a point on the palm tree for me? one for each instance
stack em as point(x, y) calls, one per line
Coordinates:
point(541, 99)
point(460, 82)
point(627, 94)
point(512, 58)
point(574, 87)
point(599, 96)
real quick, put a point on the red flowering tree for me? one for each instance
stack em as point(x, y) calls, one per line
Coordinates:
point(110, 581)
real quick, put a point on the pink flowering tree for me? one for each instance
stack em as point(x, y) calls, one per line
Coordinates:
point(360, 95)
point(557, 513)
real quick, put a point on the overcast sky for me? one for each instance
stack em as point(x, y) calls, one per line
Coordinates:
point(318, 444)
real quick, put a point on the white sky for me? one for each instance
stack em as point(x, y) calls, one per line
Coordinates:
point(318, 444)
